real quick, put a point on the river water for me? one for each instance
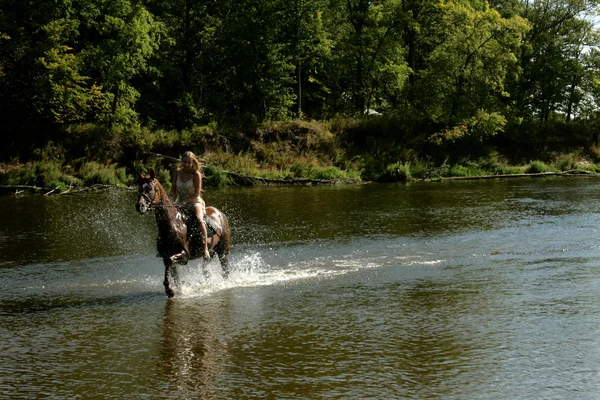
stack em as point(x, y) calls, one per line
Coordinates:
point(483, 289)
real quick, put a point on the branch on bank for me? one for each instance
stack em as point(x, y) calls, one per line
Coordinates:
point(246, 180)
point(20, 189)
point(573, 172)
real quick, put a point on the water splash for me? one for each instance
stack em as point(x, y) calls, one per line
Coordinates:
point(246, 270)
point(273, 267)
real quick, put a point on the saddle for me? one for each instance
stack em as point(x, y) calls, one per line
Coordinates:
point(212, 227)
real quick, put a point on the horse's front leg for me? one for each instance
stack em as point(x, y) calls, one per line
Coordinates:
point(168, 264)
point(175, 276)
point(178, 258)
point(181, 258)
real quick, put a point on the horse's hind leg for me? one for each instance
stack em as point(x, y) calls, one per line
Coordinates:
point(224, 264)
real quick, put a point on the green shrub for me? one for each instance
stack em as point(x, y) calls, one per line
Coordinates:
point(420, 170)
point(298, 170)
point(48, 173)
point(565, 162)
point(538, 167)
point(95, 173)
point(510, 170)
point(26, 176)
point(397, 172)
point(465, 170)
point(328, 173)
point(214, 177)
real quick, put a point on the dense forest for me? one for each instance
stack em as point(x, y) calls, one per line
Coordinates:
point(438, 78)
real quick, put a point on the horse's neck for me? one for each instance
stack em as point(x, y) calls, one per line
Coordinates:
point(164, 198)
point(166, 210)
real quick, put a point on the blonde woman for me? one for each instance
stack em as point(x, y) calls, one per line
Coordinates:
point(187, 185)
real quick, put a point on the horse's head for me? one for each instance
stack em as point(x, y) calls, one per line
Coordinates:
point(149, 192)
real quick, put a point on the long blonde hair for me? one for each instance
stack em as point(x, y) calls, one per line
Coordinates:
point(195, 161)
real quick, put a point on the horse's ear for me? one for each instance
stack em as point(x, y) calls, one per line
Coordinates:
point(152, 173)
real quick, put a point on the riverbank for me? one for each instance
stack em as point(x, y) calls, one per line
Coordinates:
point(18, 190)
point(284, 153)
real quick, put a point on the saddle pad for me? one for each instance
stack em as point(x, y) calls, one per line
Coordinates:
point(211, 226)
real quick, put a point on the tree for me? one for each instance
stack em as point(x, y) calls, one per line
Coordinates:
point(309, 46)
point(550, 56)
point(176, 91)
point(41, 84)
point(68, 97)
point(472, 54)
point(117, 40)
point(368, 62)
point(255, 76)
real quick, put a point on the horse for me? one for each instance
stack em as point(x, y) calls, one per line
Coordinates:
point(179, 235)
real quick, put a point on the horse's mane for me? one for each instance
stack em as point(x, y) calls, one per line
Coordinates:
point(163, 192)
point(164, 197)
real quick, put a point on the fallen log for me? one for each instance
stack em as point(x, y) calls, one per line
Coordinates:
point(18, 189)
point(246, 180)
point(573, 172)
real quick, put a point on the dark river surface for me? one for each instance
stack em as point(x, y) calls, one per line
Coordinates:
point(472, 289)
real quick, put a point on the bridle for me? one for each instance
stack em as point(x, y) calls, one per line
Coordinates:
point(148, 192)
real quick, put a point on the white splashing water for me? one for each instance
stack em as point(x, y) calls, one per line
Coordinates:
point(247, 271)
point(251, 269)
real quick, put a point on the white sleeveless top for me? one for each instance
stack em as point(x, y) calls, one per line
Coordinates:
point(185, 191)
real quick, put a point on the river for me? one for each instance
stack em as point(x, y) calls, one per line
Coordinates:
point(470, 289)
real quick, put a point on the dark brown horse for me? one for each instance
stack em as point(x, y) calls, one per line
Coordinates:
point(179, 235)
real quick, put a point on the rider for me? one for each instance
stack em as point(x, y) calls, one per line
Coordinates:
point(187, 185)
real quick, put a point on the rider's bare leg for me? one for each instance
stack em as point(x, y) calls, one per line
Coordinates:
point(200, 215)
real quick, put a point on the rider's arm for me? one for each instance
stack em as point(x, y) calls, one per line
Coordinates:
point(197, 184)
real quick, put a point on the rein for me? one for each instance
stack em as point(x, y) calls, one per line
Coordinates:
point(152, 204)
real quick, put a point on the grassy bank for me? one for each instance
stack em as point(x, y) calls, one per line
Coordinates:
point(375, 149)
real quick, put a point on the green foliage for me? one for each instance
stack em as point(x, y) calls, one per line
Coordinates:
point(397, 172)
point(465, 170)
point(44, 174)
point(329, 173)
point(92, 173)
point(474, 51)
point(509, 170)
point(565, 162)
point(164, 177)
point(299, 170)
point(479, 127)
point(93, 142)
point(538, 167)
point(421, 170)
point(214, 177)
point(368, 64)
point(127, 35)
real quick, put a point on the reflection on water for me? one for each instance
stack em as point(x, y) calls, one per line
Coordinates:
point(453, 290)
point(194, 349)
